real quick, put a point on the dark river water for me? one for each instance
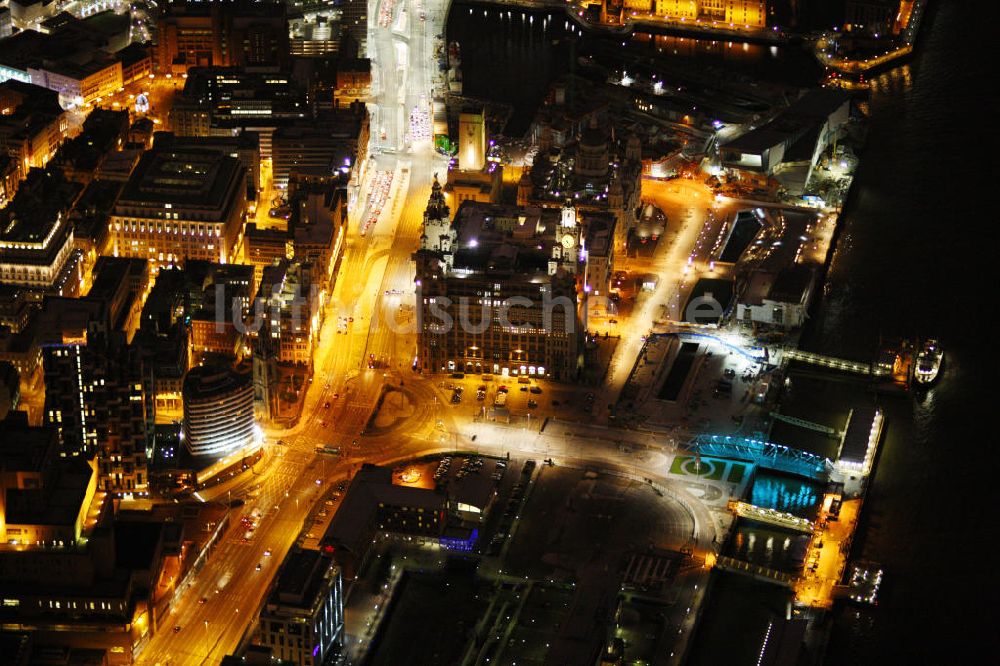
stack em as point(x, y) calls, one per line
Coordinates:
point(915, 258)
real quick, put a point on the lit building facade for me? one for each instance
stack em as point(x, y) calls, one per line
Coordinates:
point(472, 141)
point(218, 412)
point(35, 508)
point(686, 9)
point(289, 302)
point(99, 398)
point(500, 290)
point(592, 167)
point(752, 13)
point(78, 85)
point(32, 125)
point(303, 619)
point(181, 204)
point(36, 236)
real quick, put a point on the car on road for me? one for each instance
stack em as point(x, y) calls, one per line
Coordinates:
point(502, 389)
point(535, 389)
point(177, 628)
point(267, 553)
point(203, 601)
point(532, 404)
point(326, 405)
point(258, 567)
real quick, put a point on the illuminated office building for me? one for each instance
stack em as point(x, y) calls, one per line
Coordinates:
point(303, 619)
point(98, 395)
point(218, 411)
point(500, 290)
point(184, 203)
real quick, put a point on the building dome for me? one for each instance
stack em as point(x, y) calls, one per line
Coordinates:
point(218, 411)
point(592, 137)
point(592, 153)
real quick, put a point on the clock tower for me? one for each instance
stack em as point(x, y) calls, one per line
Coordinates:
point(568, 215)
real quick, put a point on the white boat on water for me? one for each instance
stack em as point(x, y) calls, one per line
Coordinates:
point(929, 362)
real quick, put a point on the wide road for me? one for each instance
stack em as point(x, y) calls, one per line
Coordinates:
point(217, 609)
point(694, 221)
point(369, 321)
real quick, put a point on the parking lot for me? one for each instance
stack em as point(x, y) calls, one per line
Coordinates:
point(527, 400)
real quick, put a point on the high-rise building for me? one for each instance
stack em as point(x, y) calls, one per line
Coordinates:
point(303, 619)
point(36, 236)
point(217, 297)
point(471, 141)
point(244, 146)
point(99, 397)
point(333, 146)
point(500, 290)
point(290, 301)
point(218, 411)
point(183, 203)
point(206, 34)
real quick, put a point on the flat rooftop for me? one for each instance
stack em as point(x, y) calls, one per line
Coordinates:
point(369, 488)
point(858, 433)
point(189, 177)
point(206, 382)
point(58, 505)
point(33, 213)
point(24, 448)
point(301, 578)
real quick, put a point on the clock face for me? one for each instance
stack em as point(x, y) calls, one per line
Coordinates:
point(568, 241)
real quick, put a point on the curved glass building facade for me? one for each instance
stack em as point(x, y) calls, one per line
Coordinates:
point(218, 411)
